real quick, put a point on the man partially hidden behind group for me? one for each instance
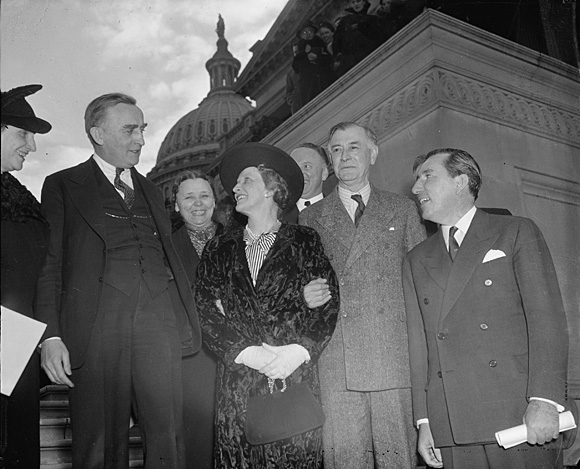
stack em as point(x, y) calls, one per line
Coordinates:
point(313, 163)
point(113, 336)
point(364, 370)
point(487, 328)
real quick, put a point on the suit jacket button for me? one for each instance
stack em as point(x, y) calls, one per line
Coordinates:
point(439, 374)
point(492, 363)
point(426, 301)
point(488, 283)
point(441, 336)
point(483, 326)
point(101, 279)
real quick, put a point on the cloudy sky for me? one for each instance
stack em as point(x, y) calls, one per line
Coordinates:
point(154, 50)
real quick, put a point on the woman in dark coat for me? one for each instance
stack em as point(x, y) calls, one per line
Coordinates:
point(312, 63)
point(24, 245)
point(356, 36)
point(194, 200)
point(249, 294)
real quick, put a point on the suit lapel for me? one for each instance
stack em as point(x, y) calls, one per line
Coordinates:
point(84, 188)
point(479, 238)
point(437, 262)
point(335, 220)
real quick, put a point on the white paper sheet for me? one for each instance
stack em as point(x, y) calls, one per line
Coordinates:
point(20, 336)
point(517, 435)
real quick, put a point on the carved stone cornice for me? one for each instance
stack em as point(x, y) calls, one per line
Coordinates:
point(443, 88)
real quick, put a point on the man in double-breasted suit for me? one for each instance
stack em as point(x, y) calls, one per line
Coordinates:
point(364, 371)
point(107, 292)
point(487, 328)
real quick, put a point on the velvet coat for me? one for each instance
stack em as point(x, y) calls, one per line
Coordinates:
point(273, 312)
point(70, 286)
point(24, 241)
point(484, 337)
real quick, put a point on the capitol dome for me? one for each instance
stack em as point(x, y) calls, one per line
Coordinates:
point(193, 142)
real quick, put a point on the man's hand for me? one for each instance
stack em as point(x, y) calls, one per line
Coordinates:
point(55, 361)
point(426, 447)
point(288, 358)
point(316, 293)
point(542, 422)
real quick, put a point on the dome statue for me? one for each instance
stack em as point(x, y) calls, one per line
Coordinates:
point(193, 142)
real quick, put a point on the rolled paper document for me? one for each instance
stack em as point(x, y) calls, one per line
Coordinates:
point(517, 435)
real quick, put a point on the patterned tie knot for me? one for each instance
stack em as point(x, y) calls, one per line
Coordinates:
point(128, 192)
point(360, 208)
point(453, 244)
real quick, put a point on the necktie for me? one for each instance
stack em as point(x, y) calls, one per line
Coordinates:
point(128, 193)
point(453, 244)
point(307, 203)
point(360, 209)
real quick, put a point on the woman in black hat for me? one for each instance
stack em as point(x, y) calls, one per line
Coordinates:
point(249, 297)
point(24, 245)
point(312, 63)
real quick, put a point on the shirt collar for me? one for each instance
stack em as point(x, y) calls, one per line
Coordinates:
point(462, 225)
point(110, 171)
point(301, 204)
point(345, 194)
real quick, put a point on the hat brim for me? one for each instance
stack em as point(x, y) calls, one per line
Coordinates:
point(32, 124)
point(246, 155)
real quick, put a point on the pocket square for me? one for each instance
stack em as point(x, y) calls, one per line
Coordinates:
point(493, 254)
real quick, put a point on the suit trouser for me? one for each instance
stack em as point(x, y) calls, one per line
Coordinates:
point(133, 359)
point(367, 430)
point(492, 456)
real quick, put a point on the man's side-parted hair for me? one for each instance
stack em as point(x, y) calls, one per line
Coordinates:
point(347, 125)
point(457, 162)
point(320, 150)
point(98, 107)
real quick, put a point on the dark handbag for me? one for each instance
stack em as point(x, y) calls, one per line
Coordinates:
point(282, 413)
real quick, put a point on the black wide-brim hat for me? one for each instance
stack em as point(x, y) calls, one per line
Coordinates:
point(240, 157)
point(17, 112)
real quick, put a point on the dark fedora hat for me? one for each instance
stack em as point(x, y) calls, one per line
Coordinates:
point(17, 112)
point(240, 157)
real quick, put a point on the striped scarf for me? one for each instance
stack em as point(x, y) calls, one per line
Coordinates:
point(257, 248)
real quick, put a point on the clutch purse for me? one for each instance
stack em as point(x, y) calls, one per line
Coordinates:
point(282, 413)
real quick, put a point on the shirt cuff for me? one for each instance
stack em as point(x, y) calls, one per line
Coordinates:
point(420, 421)
point(558, 406)
point(46, 340)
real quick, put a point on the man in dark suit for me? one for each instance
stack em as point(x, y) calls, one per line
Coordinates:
point(364, 370)
point(107, 291)
point(487, 329)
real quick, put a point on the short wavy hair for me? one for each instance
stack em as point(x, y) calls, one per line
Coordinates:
point(276, 183)
point(184, 176)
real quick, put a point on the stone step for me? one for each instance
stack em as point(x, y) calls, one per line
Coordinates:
point(53, 409)
point(54, 392)
point(59, 452)
point(136, 463)
point(53, 429)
